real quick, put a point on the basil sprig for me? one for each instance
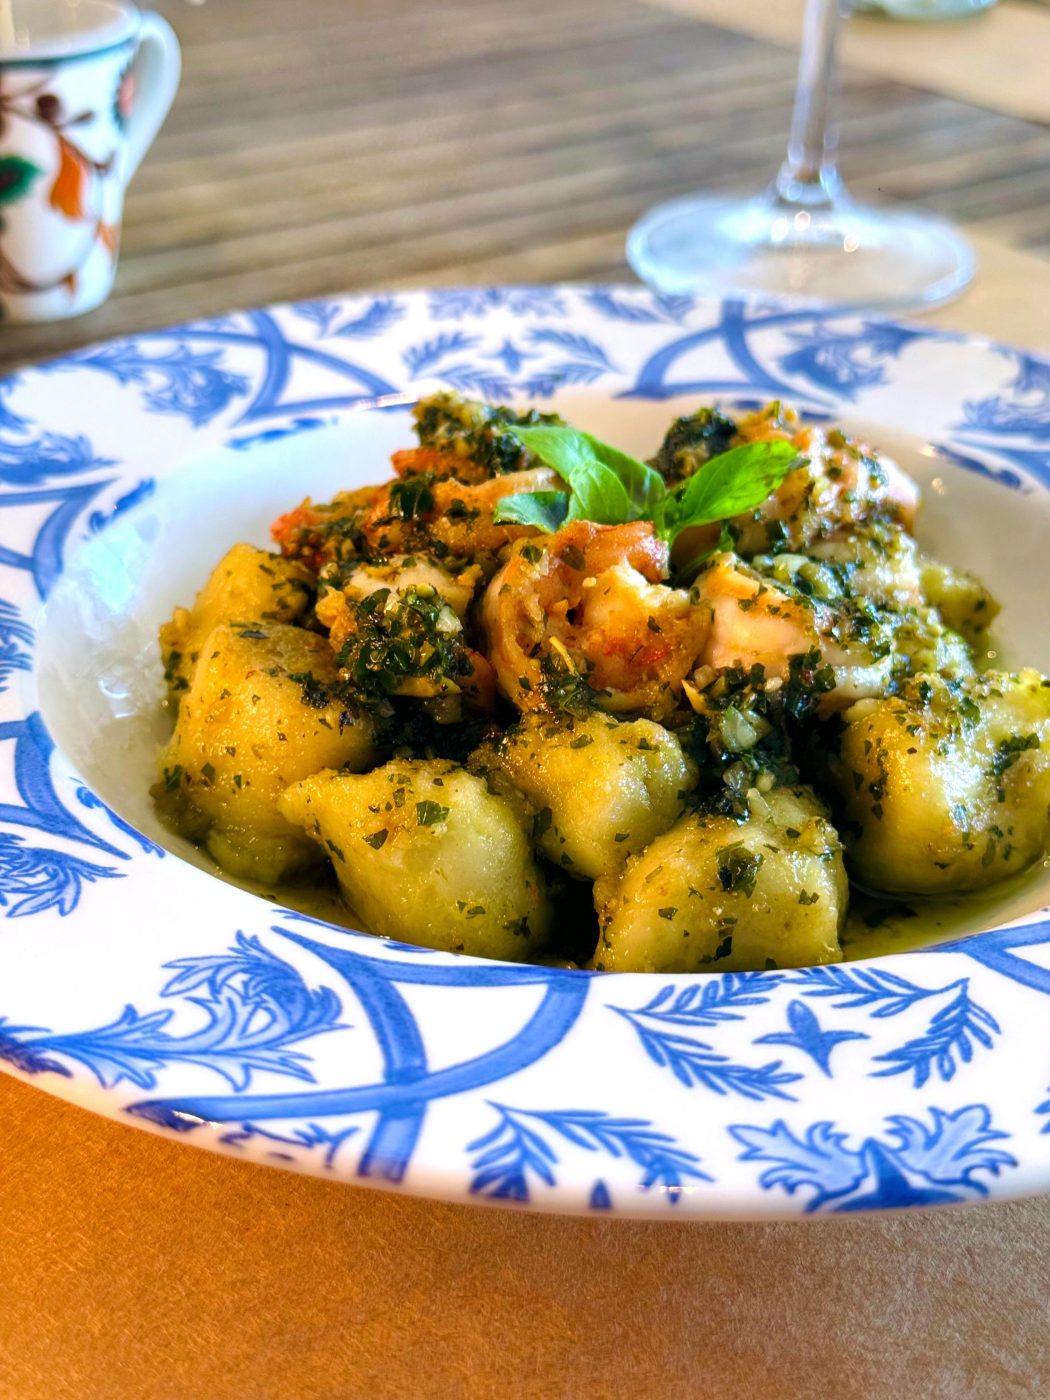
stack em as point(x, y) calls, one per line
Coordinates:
point(545, 510)
point(610, 487)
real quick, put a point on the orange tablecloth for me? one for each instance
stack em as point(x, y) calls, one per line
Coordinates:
point(134, 1268)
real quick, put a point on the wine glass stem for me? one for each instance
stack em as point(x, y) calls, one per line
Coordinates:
point(809, 178)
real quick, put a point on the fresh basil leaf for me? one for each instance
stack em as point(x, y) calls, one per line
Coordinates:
point(544, 510)
point(566, 449)
point(727, 485)
point(574, 455)
point(645, 487)
point(610, 487)
point(597, 495)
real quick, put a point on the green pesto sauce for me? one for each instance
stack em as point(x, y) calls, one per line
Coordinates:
point(316, 894)
point(876, 926)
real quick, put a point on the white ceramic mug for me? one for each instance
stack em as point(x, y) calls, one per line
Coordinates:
point(84, 88)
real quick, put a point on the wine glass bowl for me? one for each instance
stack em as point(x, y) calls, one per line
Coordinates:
point(843, 253)
point(804, 238)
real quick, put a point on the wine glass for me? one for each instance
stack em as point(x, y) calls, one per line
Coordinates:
point(804, 238)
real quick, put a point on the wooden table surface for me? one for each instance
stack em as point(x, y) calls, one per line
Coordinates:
point(321, 146)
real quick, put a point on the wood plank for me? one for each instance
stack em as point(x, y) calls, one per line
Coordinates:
point(468, 202)
point(319, 147)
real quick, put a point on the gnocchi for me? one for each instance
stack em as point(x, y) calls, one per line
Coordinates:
point(718, 894)
point(534, 698)
point(599, 789)
point(249, 724)
point(426, 854)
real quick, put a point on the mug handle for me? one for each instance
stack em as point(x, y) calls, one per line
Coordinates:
point(158, 65)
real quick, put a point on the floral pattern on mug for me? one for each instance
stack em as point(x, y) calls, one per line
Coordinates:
point(61, 190)
point(124, 98)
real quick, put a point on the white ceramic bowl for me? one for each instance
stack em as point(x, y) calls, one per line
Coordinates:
point(136, 982)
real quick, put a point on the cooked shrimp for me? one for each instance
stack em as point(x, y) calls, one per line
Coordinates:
point(451, 514)
point(841, 485)
point(589, 600)
point(399, 573)
point(851, 482)
point(318, 534)
point(409, 578)
point(753, 621)
point(886, 565)
point(880, 562)
point(407, 642)
point(415, 461)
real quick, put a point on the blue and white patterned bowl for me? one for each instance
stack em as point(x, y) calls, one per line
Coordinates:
point(134, 982)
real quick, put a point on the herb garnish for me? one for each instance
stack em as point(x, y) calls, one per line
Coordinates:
point(412, 498)
point(564, 689)
point(314, 694)
point(1006, 755)
point(610, 487)
point(738, 868)
point(398, 638)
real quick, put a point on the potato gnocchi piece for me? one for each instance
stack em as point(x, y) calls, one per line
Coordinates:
point(962, 600)
point(425, 853)
point(246, 728)
point(247, 585)
point(600, 789)
point(713, 894)
point(946, 786)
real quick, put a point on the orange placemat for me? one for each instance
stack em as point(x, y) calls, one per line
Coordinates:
point(136, 1268)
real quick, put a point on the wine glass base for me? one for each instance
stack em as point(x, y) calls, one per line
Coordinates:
point(842, 254)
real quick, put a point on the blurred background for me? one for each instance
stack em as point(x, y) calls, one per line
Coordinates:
point(329, 145)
